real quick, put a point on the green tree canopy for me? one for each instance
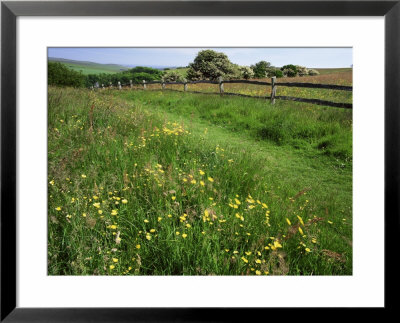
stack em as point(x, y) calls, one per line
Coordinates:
point(210, 65)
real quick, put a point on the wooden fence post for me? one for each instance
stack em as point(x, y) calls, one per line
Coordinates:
point(273, 89)
point(185, 86)
point(144, 84)
point(221, 85)
point(111, 85)
point(102, 85)
point(130, 82)
point(119, 85)
point(163, 85)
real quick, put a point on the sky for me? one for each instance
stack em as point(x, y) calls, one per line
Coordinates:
point(156, 57)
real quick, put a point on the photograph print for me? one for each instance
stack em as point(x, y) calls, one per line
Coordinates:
point(200, 161)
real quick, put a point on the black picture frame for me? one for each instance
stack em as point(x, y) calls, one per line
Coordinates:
point(11, 10)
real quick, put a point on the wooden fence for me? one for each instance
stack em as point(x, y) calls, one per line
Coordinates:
point(274, 85)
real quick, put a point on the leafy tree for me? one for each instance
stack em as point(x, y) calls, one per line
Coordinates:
point(211, 65)
point(260, 69)
point(60, 75)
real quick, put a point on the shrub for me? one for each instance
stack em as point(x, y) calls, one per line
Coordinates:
point(289, 73)
point(60, 75)
point(301, 70)
point(273, 71)
point(148, 70)
point(261, 69)
point(246, 72)
point(138, 78)
point(276, 72)
point(289, 70)
point(313, 72)
point(173, 76)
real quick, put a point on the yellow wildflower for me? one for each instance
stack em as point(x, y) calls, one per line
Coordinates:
point(288, 221)
point(184, 235)
point(115, 260)
point(124, 201)
point(58, 208)
point(112, 267)
point(301, 220)
point(114, 212)
point(245, 260)
point(210, 179)
point(138, 246)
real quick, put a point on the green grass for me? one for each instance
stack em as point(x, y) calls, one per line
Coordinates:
point(318, 129)
point(94, 68)
point(156, 150)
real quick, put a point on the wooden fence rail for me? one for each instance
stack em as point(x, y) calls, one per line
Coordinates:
point(273, 85)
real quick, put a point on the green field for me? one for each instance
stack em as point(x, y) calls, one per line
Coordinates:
point(90, 67)
point(168, 183)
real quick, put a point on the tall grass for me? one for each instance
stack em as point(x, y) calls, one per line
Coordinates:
point(168, 184)
point(300, 125)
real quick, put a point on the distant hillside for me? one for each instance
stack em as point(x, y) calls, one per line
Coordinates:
point(90, 67)
point(323, 71)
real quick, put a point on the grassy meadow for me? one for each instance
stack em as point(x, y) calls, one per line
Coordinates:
point(91, 68)
point(167, 183)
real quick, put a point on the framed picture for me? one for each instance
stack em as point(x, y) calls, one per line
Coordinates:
point(69, 225)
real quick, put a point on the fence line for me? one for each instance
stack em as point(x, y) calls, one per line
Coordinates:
point(273, 85)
